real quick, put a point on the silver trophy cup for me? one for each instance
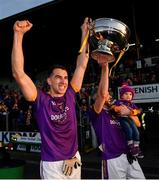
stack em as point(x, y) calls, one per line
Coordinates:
point(108, 37)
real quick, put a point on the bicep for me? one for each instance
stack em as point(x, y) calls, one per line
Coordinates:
point(27, 87)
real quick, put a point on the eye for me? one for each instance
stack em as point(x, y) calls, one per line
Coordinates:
point(57, 77)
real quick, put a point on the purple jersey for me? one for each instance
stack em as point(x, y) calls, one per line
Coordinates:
point(56, 119)
point(109, 134)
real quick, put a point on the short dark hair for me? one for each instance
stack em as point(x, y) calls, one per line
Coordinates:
point(56, 66)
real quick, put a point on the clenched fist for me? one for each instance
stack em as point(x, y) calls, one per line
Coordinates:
point(22, 26)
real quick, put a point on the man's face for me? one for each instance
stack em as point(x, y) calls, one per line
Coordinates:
point(58, 82)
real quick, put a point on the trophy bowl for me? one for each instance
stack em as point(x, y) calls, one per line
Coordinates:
point(108, 37)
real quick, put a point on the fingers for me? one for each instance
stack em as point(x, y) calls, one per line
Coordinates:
point(87, 20)
point(70, 171)
point(22, 26)
point(67, 170)
point(68, 167)
point(77, 164)
point(86, 24)
point(124, 111)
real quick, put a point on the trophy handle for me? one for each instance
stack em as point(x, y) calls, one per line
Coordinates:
point(119, 57)
point(127, 47)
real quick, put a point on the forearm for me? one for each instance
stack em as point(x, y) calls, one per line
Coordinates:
point(83, 56)
point(104, 82)
point(17, 58)
point(81, 65)
point(102, 90)
point(77, 79)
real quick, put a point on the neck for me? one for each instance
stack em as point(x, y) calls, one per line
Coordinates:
point(54, 94)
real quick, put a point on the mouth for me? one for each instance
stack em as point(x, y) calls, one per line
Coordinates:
point(62, 87)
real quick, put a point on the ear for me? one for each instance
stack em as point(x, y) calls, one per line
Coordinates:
point(48, 81)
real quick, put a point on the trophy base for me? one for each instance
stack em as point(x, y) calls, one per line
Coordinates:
point(103, 56)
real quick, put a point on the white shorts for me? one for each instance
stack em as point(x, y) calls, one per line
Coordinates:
point(53, 170)
point(119, 168)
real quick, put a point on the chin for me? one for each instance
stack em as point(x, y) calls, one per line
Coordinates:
point(62, 92)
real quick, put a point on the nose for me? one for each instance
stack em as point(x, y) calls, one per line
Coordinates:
point(63, 80)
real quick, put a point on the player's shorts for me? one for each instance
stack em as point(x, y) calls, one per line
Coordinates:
point(119, 168)
point(53, 170)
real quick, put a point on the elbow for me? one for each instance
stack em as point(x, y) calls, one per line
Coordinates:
point(17, 75)
point(14, 74)
point(104, 95)
point(97, 109)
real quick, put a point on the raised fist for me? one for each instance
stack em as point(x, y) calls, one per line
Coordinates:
point(22, 26)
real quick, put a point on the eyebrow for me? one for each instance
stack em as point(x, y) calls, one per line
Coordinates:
point(57, 75)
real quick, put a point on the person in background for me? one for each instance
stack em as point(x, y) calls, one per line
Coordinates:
point(54, 111)
point(117, 162)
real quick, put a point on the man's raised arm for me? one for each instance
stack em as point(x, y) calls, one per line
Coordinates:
point(17, 61)
point(82, 59)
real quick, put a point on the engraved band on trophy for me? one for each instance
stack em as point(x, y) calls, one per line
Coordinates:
point(108, 36)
